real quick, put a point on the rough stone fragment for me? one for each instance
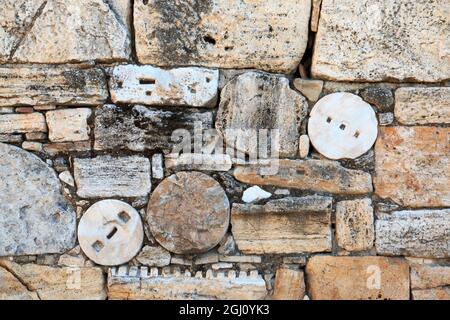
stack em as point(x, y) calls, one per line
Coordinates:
point(342, 125)
point(11, 138)
point(106, 176)
point(154, 256)
point(158, 166)
point(32, 146)
point(144, 128)
point(303, 146)
point(256, 101)
point(315, 15)
point(289, 225)
point(254, 194)
point(422, 105)
point(289, 285)
point(385, 119)
point(227, 245)
point(191, 86)
point(57, 31)
point(110, 232)
point(68, 125)
point(198, 161)
point(54, 149)
point(429, 276)
point(357, 278)
point(431, 294)
point(43, 85)
point(311, 89)
point(12, 289)
point(22, 123)
point(156, 284)
point(241, 259)
point(419, 233)
point(188, 212)
point(315, 175)
point(34, 216)
point(207, 258)
point(67, 178)
point(380, 97)
point(354, 224)
point(223, 34)
point(412, 166)
point(382, 41)
point(36, 136)
point(52, 283)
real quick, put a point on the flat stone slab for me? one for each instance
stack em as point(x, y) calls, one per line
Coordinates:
point(382, 41)
point(191, 86)
point(22, 123)
point(224, 34)
point(51, 85)
point(35, 218)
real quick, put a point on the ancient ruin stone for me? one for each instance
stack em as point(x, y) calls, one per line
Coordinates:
point(304, 145)
point(222, 34)
point(34, 216)
point(442, 293)
point(22, 123)
point(188, 212)
point(106, 176)
point(382, 98)
point(311, 89)
point(12, 289)
point(289, 285)
point(110, 232)
point(354, 224)
point(419, 233)
point(198, 161)
point(56, 31)
point(289, 225)
point(254, 194)
point(141, 128)
point(382, 40)
point(158, 166)
point(196, 87)
point(410, 166)
point(167, 284)
point(429, 276)
point(357, 278)
point(256, 101)
point(154, 256)
point(342, 125)
point(54, 149)
point(315, 175)
point(422, 105)
point(68, 124)
point(43, 85)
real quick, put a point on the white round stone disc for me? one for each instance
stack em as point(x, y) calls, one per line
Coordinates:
point(111, 232)
point(342, 126)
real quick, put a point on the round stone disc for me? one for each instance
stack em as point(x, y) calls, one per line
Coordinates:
point(188, 212)
point(111, 232)
point(342, 126)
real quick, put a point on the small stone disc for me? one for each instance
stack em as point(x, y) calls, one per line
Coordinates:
point(342, 126)
point(188, 212)
point(111, 232)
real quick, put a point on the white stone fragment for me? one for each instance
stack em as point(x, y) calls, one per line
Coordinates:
point(157, 166)
point(67, 178)
point(32, 146)
point(68, 125)
point(254, 194)
point(303, 146)
point(199, 162)
point(342, 125)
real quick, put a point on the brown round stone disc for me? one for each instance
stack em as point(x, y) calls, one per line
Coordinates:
point(188, 212)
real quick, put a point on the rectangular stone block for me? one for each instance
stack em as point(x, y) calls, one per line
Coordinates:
point(191, 86)
point(431, 294)
point(106, 176)
point(238, 34)
point(357, 278)
point(54, 149)
point(425, 276)
point(198, 161)
point(289, 285)
point(412, 166)
point(22, 123)
point(419, 233)
point(141, 128)
point(68, 125)
point(289, 225)
point(422, 105)
point(44, 85)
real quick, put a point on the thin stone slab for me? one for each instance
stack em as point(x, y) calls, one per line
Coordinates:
point(198, 161)
point(22, 123)
point(35, 218)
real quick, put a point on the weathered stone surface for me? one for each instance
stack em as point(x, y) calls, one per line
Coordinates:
point(67, 178)
point(54, 149)
point(12, 289)
point(32, 146)
point(431, 294)
point(223, 34)
point(255, 101)
point(241, 259)
point(68, 124)
point(22, 123)
point(354, 224)
point(380, 97)
point(11, 138)
point(166, 284)
point(254, 194)
point(422, 105)
point(303, 146)
point(144, 128)
point(419, 233)
point(52, 283)
point(198, 161)
point(34, 216)
point(315, 15)
point(311, 89)
point(57, 31)
point(106, 176)
point(188, 212)
point(110, 232)
point(385, 119)
point(289, 285)
point(383, 40)
point(289, 225)
point(357, 278)
point(207, 258)
point(43, 85)
point(412, 166)
point(342, 125)
point(315, 175)
point(154, 256)
point(191, 86)
point(158, 166)
point(429, 276)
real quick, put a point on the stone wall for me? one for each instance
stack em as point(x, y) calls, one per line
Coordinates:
point(131, 136)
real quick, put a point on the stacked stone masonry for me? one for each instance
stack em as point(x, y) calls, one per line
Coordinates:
point(285, 149)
